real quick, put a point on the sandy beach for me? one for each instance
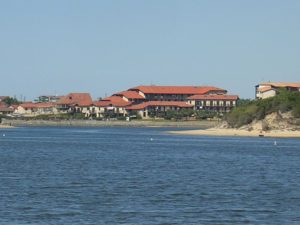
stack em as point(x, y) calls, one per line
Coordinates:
point(241, 133)
point(5, 126)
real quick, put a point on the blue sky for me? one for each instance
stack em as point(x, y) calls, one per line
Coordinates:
point(101, 47)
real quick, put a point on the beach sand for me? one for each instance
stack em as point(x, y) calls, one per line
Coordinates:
point(239, 133)
point(5, 126)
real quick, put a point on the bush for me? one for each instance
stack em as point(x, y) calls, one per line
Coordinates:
point(258, 109)
point(296, 111)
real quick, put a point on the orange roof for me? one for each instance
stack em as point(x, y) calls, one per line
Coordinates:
point(130, 95)
point(213, 97)
point(281, 84)
point(113, 100)
point(102, 103)
point(37, 105)
point(264, 89)
point(2, 104)
point(190, 90)
point(80, 99)
point(159, 103)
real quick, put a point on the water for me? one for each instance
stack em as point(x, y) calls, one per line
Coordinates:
point(145, 176)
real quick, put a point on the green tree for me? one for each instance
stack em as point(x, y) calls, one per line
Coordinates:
point(11, 101)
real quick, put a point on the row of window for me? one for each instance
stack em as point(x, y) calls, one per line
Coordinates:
point(215, 103)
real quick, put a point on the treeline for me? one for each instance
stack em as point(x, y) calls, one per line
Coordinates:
point(248, 111)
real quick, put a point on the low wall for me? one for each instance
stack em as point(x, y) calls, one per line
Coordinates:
point(96, 123)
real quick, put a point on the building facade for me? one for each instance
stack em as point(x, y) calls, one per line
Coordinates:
point(214, 103)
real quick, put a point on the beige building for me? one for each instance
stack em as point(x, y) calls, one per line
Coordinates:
point(270, 89)
point(75, 103)
point(34, 109)
point(110, 107)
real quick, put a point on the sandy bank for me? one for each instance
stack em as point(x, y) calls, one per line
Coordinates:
point(96, 123)
point(5, 126)
point(236, 132)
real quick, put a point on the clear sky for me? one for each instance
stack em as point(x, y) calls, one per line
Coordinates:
point(102, 47)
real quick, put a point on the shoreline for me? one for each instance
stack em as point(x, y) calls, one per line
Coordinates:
point(118, 123)
point(239, 133)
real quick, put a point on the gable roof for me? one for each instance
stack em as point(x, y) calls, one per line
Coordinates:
point(37, 105)
point(101, 103)
point(116, 101)
point(214, 97)
point(265, 88)
point(80, 99)
point(190, 90)
point(130, 95)
point(281, 84)
point(159, 103)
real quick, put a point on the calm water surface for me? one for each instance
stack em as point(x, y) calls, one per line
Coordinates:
point(145, 176)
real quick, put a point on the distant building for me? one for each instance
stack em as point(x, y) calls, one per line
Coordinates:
point(5, 109)
point(48, 98)
point(3, 98)
point(34, 109)
point(270, 89)
point(110, 107)
point(75, 103)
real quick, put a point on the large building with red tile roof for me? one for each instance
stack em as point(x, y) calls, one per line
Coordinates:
point(270, 89)
point(149, 100)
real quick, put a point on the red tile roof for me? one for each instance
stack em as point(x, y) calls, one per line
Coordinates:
point(38, 105)
point(190, 90)
point(2, 104)
point(264, 89)
point(102, 103)
point(116, 101)
point(281, 84)
point(214, 97)
point(130, 95)
point(159, 103)
point(80, 99)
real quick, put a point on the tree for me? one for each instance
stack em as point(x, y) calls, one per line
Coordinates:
point(11, 101)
